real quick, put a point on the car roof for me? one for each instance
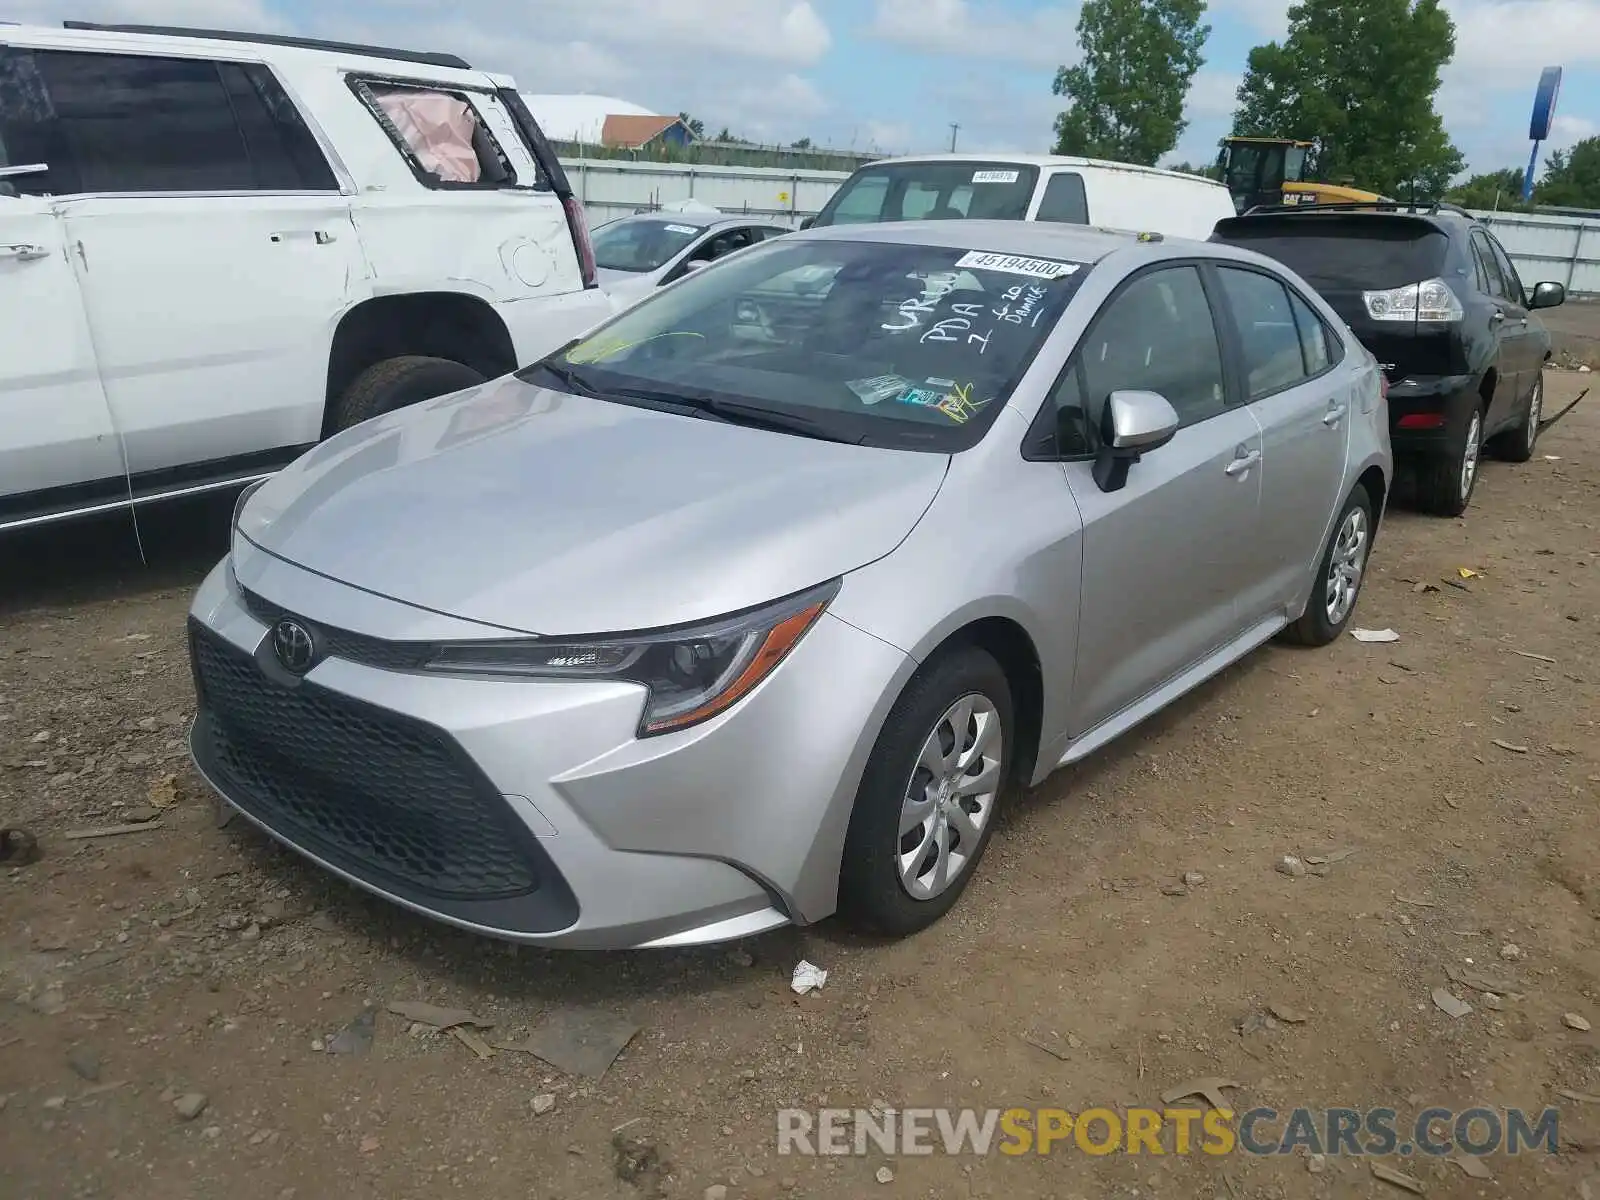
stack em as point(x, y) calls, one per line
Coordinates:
point(1043, 161)
point(1076, 243)
point(183, 40)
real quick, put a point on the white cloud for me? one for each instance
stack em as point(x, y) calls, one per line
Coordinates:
point(1044, 37)
point(246, 16)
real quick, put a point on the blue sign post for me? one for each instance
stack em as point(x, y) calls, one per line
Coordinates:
point(1544, 115)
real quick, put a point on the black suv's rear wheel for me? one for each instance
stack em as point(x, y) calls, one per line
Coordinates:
point(1516, 445)
point(1445, 484)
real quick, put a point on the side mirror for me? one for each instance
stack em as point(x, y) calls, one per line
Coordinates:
point(1547, 295)
point(696, 264)
point(1131, 425)
point(808, 223)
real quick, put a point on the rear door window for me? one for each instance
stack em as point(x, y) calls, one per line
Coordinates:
point(120, 123)
point(1508, 271)
point(1064, 200)
point(1269, 337)
point(1491, 268)
point(1317, 342)
point(283, 152)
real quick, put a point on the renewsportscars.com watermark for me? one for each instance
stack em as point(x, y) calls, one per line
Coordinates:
point(1369, 1132)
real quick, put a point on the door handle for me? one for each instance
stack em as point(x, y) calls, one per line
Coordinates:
point(24, 252)
point(1497, 316)
point(1335, 412)
point(1243, 463)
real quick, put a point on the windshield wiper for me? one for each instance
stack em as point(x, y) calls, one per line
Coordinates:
point(755, 416)
point(569, 378)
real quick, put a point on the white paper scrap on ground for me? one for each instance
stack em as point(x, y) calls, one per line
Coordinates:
point(1375, 635)
point(808, 977)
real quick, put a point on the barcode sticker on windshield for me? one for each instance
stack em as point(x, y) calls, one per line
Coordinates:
point(682, 229)
point(1038, 268)
point(994, 177)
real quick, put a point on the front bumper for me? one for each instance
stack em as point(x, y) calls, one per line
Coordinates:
point(527, 809)
point(1428, 414)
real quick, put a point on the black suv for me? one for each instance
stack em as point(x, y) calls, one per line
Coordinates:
point(1435, 298)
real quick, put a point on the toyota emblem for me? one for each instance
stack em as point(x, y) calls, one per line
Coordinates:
point(293, 644)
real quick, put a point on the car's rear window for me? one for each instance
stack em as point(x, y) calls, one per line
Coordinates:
point(932, 191)
point(641, 245)
point(892, 344)
point(1337, 253)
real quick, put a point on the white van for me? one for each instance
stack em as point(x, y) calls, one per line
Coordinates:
point(1030, 187)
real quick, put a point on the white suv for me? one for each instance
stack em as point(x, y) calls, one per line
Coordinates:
point(216, 249)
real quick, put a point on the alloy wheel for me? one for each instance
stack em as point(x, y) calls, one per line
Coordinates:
point(1535, 411)
point(1346, 566)
point(1469, 455)
point(950, 797)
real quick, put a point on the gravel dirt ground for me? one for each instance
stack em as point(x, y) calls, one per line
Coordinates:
point(1459, 767)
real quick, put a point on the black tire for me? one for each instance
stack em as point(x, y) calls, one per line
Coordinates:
point(1315, 627)
point(871, 894)
point(1516, 445)
point(1439, 479)
point(398, 382)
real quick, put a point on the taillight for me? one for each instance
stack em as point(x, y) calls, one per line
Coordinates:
point(579, 224)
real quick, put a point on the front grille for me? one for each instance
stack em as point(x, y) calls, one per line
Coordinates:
point(381, 796)
point(342, 643)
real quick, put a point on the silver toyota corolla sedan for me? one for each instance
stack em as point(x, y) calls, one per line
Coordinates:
point(757, 602)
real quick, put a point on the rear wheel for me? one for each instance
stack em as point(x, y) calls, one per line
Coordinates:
point(1516, 445)
point(1445, 484)
point(1343, 567)
point(929, 796)
point(399, 382)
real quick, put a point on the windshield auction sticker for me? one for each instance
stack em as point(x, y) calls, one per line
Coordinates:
point(1011, 264)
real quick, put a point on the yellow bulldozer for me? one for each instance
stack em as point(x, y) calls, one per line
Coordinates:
point(1264, 170)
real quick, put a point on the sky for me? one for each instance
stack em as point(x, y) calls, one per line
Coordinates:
point(893, 76)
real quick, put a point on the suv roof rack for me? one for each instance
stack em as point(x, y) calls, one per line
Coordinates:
point(1424, 207)
point(424, 57)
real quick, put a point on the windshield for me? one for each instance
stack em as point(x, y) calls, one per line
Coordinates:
point(910, 346)
point(633, 245)
point(932, 191)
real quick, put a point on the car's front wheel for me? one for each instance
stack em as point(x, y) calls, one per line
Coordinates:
point(1445, 484)
point(930, 795)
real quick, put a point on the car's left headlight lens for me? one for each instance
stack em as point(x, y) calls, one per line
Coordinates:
point(692, 673)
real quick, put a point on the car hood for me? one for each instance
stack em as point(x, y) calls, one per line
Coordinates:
point(541, 512)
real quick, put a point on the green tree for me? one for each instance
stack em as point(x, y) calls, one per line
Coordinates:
point(1572, 177)
point(1358, 78)
point(803, 144)
point(1491, 190)
point(1126, 96)
point(694, 124)
point(1209, 171)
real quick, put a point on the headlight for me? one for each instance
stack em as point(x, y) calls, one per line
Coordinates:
point(693, 672)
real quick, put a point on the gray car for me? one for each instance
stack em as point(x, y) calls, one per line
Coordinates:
point(635, 255)
point(757, 602)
